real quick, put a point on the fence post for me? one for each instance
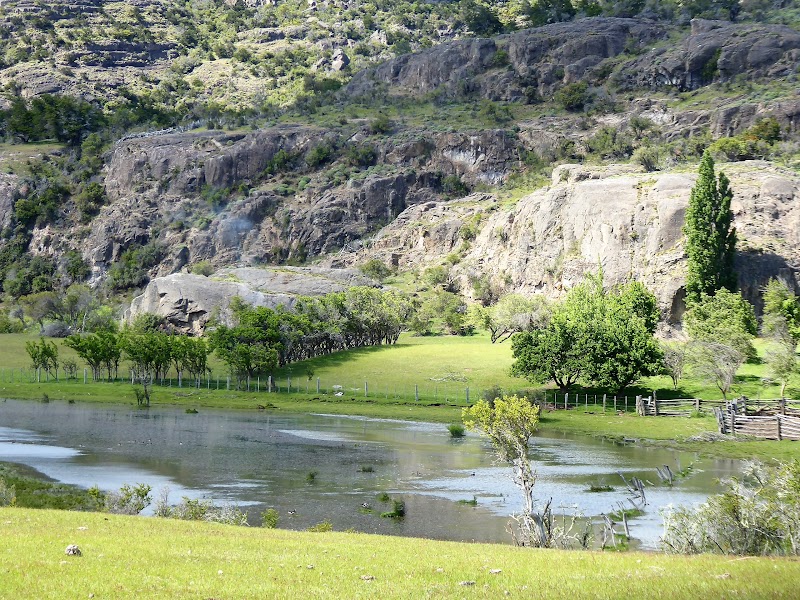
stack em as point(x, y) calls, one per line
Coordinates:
point(269, 384)
point(366, 389)
point(615, 405)
point(258, 383)
point(416, 393)
point(783, 406)
point(566, 397)
point(697, 404)
point(467, 396)
point(639, 405)
point(317, 385)
point(228, 383)
point(604, 403)
point(84, 376)
point(288, 384)
point(778, 421)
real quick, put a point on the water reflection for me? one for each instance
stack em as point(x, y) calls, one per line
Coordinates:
point(263, 459)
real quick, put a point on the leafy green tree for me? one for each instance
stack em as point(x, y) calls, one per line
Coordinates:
point(725, 318)
point(512, 313)
point(479, 18)
point(44, 355)
point(710, 238)
point(150, 357)
point(542, 12)
point(508, 423)
point(99, 350)
point(595, 335)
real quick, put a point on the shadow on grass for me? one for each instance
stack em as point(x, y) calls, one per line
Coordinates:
point(333, 360)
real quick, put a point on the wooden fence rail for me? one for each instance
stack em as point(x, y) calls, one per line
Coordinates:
point(676, 407)
point(767, 419)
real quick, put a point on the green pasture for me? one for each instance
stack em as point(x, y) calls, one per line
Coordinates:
point(134, 557)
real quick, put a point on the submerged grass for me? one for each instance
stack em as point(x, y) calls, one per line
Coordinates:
point(134, 557)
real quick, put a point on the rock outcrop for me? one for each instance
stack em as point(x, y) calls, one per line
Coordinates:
point(534, 62)
point(160, 187)
point(716, 51)
point(510, 67)
point(626, 221)
point(187, 301)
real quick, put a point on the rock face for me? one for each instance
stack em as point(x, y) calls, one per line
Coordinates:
point(162, 187)
point(717, 51)
point(534, 61)
point(188, 301)
point(628, 222)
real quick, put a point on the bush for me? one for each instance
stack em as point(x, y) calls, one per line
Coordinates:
point(758, 518)
point(203, 268)
point(648, 157)
point(375, 269)
point(380, 125)
point(128, 500)
point(321, 527)
point(319, 155)
point(573, 96)
point(269, 518)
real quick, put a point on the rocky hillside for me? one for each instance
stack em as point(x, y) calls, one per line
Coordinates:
point(515, 162)
point(616, 217)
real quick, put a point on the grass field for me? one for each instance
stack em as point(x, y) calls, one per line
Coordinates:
point(132, 557)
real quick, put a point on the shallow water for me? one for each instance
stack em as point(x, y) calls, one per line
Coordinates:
point(262, 459)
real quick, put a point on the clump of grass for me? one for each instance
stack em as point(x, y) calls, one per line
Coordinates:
point(473, 502)
point(456, 430)
point(322, 527)
point(311, 476)
point(191, 411)
point(269, 518)
point(597, 487)
point(384, 497)
point(398, 510)
point(45, 398)
point(367, 469)
point(629, 513)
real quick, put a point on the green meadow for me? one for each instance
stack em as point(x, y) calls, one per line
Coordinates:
point(132, 557)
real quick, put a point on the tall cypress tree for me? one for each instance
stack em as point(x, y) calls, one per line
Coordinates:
point(710, 239)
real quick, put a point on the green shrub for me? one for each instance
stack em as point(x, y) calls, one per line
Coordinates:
point(321, 527)
point(375, 269)
point(380, 125)
point(573, 96)
point(203, 268)
point(456, 430)
point(269, 518)
point(398, 510)
point(319, 155)
point(757, 514)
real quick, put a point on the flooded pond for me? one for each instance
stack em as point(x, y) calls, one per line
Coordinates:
point(263, 459)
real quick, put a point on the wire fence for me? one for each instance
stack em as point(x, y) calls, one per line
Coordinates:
point(428, 392)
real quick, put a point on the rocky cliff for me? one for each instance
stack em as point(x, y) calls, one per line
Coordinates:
point(626, 221)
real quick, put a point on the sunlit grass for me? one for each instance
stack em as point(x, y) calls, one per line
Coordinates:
point(136, 557)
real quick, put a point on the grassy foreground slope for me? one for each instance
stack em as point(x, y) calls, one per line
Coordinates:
point(133, 557)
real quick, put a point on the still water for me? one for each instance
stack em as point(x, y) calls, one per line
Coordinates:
point(263, 459)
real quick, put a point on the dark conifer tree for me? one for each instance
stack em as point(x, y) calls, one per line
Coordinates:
point(710, 238)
